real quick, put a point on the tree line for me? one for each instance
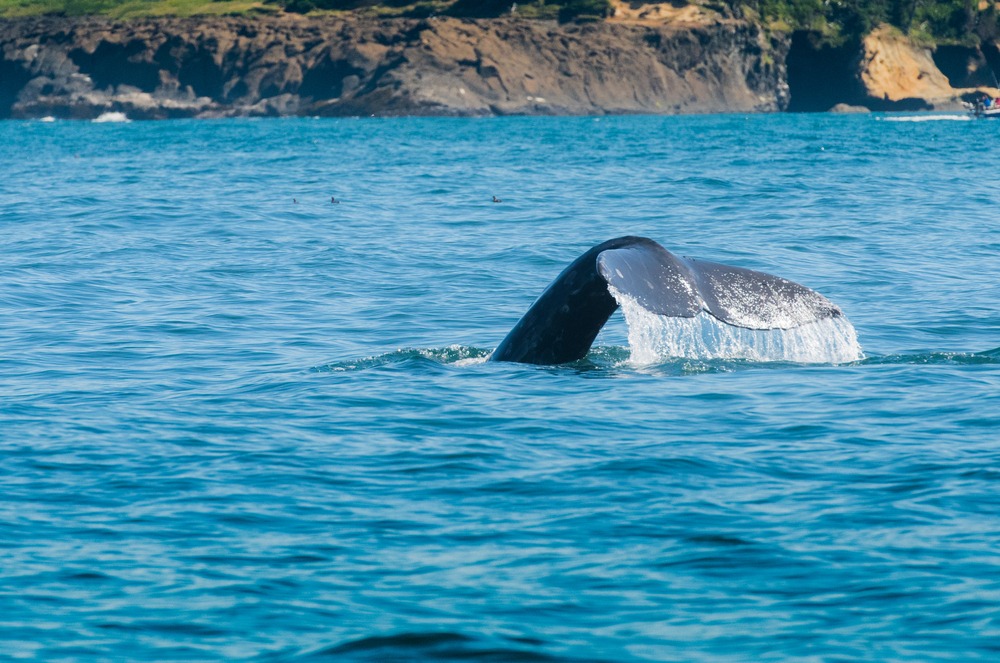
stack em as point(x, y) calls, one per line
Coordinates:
point(949, 21)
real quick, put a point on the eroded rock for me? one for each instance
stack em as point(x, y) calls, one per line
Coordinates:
point(900, 75)
point(293, 65)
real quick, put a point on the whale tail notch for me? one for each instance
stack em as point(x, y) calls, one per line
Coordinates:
point(562, 324)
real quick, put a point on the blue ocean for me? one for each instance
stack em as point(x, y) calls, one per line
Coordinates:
point(240, 421)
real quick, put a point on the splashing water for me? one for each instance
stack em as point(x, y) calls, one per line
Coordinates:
point(111, 116)
point(928, 118)
point(654, 338)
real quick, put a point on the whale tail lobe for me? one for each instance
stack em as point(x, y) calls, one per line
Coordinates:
point(562, 324)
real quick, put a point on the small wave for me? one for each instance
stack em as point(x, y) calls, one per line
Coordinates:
point(607, 356)
point(937, 358)
point(710, 182)
point(47, 118)
point(457, 355)
point(617, 360)
point(929, 118)
point(737, 349)
point(112, 116)
point(430, 646)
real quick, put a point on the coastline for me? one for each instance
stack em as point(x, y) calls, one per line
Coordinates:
point(292, 65)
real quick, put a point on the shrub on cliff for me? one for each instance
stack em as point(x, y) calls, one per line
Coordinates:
point(584, 9)
point(564, 10)
point(941, 21)
point(937, 20)
point(479, 8)
point(305, 6)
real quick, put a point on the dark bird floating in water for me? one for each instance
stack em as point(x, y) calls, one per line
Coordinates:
point(496, 200)
point(562, 324)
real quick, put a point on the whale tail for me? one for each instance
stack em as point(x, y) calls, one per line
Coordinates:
point(562, 324)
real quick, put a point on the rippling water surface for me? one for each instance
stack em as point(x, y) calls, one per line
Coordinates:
point(238, 421)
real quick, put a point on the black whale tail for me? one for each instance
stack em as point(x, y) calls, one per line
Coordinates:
point(562, 324)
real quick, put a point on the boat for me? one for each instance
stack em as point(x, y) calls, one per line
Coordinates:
point(980, 109)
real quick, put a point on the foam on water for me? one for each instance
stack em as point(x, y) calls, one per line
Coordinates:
point(458, 355)
point(654, 338)
point(930, 118)
point(112, 116)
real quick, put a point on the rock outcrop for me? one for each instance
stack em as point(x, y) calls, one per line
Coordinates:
point(896, 74)
point(293, 65)
point(848, 109)
point(647, 58)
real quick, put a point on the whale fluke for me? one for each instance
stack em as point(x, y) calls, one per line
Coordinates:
point(562, 324)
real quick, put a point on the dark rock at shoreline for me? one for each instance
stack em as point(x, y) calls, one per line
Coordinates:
point(342, 66)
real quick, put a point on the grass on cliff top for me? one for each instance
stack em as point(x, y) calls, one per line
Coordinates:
point(124, 9)
point(132, 8)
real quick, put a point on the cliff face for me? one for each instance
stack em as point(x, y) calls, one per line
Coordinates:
point(887, 71)
point(899, 75)
point(291, 65)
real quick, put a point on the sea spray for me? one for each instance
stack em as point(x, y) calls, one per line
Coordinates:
point(111, 116)
point(653, 338)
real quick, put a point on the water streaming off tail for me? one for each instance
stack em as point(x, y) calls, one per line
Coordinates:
point(653, 338)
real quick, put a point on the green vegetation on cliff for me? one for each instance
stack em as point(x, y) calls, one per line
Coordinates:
point(951, 21)
point(130, 8)
point(539, 9)
point(945, 21)
point(532, 9)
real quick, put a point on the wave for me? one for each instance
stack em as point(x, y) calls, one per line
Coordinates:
point(112, 116)
point(929, 118)
point(949, 358)
point(458, 355)
point(434, 645)
point(616, 358)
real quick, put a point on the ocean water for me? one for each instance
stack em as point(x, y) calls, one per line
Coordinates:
point(241, 422)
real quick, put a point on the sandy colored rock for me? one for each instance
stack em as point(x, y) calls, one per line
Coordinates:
point(658, 13)
point(894, 69)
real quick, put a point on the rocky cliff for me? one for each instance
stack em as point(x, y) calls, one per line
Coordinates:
point(895, 73)
point(293, 65)
point(647, 58)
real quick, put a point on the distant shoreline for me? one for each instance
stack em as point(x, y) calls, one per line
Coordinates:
point(290, 65)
